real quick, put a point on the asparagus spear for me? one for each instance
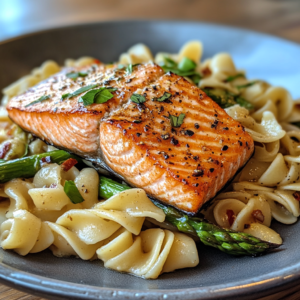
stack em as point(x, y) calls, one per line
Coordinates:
point(27, 167)
point(226, 240)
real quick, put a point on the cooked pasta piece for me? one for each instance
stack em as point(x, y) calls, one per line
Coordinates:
point(39, 216)
point(153, 252)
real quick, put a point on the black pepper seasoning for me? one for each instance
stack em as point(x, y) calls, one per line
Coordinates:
point(174, 141)
point(188, 132)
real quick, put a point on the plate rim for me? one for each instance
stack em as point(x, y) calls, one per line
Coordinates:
point(247, 289)
point(262, 285)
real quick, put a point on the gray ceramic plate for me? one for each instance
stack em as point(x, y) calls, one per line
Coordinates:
point(218, 276)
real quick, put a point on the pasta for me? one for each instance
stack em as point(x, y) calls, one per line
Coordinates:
point(39, 215)
point(36, 214)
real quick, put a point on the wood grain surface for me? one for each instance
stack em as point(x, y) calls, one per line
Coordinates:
point(281, 18)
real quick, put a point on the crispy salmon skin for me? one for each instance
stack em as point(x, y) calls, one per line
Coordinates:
point(159, 132)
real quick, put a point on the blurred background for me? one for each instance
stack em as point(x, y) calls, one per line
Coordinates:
point(279, 17)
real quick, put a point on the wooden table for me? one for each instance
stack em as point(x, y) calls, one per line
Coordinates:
point(276, 17)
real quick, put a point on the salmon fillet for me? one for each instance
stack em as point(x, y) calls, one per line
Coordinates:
point(173, 141)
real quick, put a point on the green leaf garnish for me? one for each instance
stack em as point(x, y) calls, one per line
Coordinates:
point(185, 68)
point(2, 161)
point(99, 96)
point(89, 97)
point(245, 85)
point(64, 96)
point(164, 97)
point(137, 98)
point(41, 99)
point(226, 99)
point(103, 96)
point(244, 103)
point(176, 121)
point(72, 192)
point(75, 75)
point(129, 69)
point(195, 78)
point(170, 63)
point(80, 91)
point(234, 77)
point(186, 64)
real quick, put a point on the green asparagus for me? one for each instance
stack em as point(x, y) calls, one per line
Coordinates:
point(27, 167)
point(226, 240)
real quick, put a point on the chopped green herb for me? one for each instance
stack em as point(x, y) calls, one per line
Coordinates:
point(41, 99)
point(195, 78)
point(170, 63)
point(2, 161)
point(164, 97)
point(137, 121)
point(244, 103)
point(176, 121)
point(186, 64)
point(72, 192)
point(99, 96)
point(226, 99)
point(128, 69)
point(80, 91)
point(64, 96)
point(246, 85)
point(186, 68)
point(103, 96)
point(221, 97)
point(120, 67)
point(89, 97)
point(234, 77)
point(137, 98)
point(75, 75)
point(296, 124)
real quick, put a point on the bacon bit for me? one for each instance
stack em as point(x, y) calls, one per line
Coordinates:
point(68, 164)
point(45, 160)
point(5, 148)
point(97, 61)
point(297, 196)
point(230, 216)
point(258, 215)
point(53, 186)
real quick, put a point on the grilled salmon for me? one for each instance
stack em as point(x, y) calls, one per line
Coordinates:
point(158, 131)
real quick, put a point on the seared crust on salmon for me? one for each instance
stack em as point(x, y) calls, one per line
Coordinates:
point(182, 164)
